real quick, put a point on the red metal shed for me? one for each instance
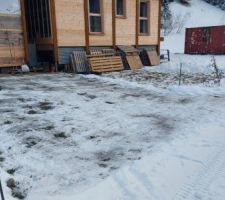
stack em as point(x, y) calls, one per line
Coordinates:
point(205, 40)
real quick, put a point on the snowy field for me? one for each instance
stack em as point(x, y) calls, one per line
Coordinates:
point(119, 136)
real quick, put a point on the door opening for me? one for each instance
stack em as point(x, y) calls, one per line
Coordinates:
point(39, 32)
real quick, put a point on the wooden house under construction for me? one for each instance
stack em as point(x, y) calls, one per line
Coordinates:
point(50, 30)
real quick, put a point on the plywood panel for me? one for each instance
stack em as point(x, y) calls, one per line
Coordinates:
point(134, 62)
point(125, 27)
point(152, 39)
point(153, 57)
point(70, 22)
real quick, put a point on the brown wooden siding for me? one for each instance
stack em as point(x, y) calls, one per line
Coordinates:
point(70, 23)
point(152, 38)
point(70, 20)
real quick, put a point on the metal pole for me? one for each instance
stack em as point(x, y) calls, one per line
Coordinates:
point(180, 74)
point(1, 191)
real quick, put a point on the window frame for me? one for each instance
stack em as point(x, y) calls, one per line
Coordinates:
point(96, 15)
point(144, 18)
point(124, 16)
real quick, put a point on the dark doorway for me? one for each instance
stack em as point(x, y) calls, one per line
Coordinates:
point(39, 32)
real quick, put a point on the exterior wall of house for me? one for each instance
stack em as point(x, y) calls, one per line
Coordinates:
point(71, 24)
point(125, 27)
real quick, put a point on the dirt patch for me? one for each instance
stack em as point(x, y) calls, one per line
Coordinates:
point(61, 135)
point(18, 191)
point(8, 122)
point(89, 96)
point(6, 110)
point(2, 159)
point(109, 157)
point(31, 141)
point(184, 101)
point(32, 112)
point(11, 171)
point(45, 105)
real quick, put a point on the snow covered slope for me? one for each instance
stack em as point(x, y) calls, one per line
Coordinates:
point(198, 14)
point(9, 6)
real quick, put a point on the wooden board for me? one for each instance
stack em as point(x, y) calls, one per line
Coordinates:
point(153, 57)
point(134, 62)
point(106, 64)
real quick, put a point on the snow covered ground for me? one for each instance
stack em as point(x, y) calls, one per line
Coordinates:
point(128, 135)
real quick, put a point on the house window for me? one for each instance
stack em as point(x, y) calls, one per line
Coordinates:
point(144, 17)
point(121, 8)
point(95, 16)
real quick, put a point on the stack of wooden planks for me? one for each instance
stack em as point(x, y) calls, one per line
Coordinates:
point(131, 57)
point(11, 41)
point(105, 60)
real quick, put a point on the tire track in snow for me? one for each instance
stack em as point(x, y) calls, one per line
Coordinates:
point(198, 188)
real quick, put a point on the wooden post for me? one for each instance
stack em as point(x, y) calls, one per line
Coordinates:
point(54, 31)
point(137, 23)
point(159, 26)
point(24, 28)
point(114, 23)
point(86, 20)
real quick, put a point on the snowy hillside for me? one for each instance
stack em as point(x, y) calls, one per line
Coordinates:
point(9, 6)
point(198, 14)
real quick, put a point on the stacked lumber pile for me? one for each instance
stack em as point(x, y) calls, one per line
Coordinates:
point(131, 57)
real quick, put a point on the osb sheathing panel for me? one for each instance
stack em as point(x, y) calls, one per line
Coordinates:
point(70, 22)
point(106, 37)
point(125, 27)
point(152, 39)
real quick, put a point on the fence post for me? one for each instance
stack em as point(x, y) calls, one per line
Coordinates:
point(180, 76)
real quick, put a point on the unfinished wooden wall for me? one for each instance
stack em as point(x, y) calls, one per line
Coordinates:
point(12, 51)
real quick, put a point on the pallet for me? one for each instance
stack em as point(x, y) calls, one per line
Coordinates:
point(79, 63)
point(100, 64)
